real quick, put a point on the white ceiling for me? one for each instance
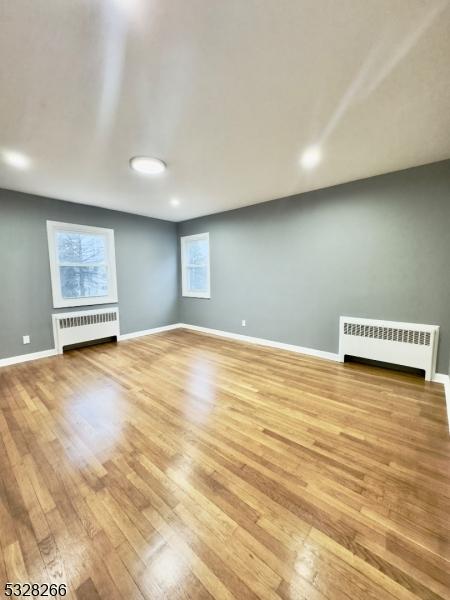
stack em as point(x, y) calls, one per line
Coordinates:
point(228, 92)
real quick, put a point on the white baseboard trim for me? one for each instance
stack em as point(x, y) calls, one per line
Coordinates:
point(263, 342)
point(135, 334)
point(445, 380)
point(440, 378)
point(13, 360)
point(447, 400)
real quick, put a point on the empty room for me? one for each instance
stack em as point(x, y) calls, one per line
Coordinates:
point(225, 299)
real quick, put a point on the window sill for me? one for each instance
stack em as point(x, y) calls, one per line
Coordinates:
point(203, 296)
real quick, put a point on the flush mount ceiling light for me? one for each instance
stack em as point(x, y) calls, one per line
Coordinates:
point(16, 159)
point(147, 165)
point(311, 157)
point(174, 202)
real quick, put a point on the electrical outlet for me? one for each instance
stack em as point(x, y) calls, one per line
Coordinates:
point(26, 339)
point(244, 323)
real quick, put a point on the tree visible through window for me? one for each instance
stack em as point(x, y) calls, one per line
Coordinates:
point(82, 264)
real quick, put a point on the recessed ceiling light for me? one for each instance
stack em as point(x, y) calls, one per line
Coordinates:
point(174, 202)
point(147, 165)
point(16, 159)
point(311, 157)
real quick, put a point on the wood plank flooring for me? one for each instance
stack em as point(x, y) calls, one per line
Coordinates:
point(182, 465)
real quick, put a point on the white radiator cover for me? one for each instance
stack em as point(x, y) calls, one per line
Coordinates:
point(408, 344)
point(84, 326)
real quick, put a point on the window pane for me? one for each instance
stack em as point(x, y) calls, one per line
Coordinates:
point(197, 252)
point(78, 248)
point(197, 279)
point(83, 282)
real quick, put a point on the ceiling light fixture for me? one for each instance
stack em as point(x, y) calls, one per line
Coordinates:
point(174, 202)
point(147, 165)
point(16, 159)
point(311, 157)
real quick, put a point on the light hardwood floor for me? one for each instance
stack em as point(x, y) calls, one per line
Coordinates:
point(182, 465)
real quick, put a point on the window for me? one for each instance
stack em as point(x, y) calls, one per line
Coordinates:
point(195, 266)
point(82, 264)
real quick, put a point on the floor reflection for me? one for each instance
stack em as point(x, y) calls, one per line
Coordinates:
point(95, 417)
point(201, 388)
point(165, 568)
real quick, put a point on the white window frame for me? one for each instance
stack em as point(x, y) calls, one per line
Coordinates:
point(184, 289)
point(58, 300)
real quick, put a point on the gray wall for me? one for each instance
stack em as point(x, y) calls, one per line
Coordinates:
point(146, 260)
point(376, 248)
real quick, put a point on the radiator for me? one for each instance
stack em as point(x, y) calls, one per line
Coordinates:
point(407, 344)
point(84, 326)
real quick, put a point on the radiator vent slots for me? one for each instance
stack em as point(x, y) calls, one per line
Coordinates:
point(407, 336)
point(88, 319)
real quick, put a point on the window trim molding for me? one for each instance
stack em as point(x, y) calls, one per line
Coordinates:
point(58, 300)
point(184, 291)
